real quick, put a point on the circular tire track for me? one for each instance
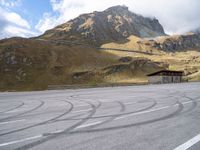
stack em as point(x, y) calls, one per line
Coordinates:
point(194, 103)
point(16, 107)
point(180, 108)
point(123, 108)
point(91, 114)
point(48, 137)
point(31, 110)
point(120, 114)
point(42, 123)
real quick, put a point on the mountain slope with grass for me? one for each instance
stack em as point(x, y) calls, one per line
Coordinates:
point(28, 64)
point(113, 46)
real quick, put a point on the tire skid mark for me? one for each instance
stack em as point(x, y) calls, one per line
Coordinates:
point(140, 101)
point(91, 114)
point(71, 117)
point(20, 105)
point(31, 110)
point(123, 108)
point(47, 137)
point(41, 123)
point(120, 114)
point(194, 103)
point(180, 108)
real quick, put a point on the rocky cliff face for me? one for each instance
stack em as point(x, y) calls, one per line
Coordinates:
point(114, 24)
point(197, 31)
point(174, 43)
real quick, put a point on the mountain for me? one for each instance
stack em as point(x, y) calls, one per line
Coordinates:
point(113, 46)
point(114, 24)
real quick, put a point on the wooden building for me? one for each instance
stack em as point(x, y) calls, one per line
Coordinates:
point(165, 76)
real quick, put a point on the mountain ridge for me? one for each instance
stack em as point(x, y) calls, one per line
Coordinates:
point(113, 24)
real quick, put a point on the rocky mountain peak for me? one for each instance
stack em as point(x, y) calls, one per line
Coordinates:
point(118, 9)
point(114, 24)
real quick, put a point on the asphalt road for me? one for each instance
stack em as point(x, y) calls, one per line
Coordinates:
point(150, 117)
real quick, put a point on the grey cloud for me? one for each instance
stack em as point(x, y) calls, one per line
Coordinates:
point(177, 16)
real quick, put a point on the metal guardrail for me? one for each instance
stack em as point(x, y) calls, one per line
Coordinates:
point(82, 86)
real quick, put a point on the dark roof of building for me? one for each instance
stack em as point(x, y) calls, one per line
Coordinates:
point(166, 71)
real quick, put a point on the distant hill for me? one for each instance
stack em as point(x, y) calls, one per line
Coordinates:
point(114, 24)
point(174, 43)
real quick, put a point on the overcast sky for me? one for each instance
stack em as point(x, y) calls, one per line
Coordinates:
point(32, 17)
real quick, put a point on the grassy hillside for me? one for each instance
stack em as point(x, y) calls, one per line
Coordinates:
point(187, 60)
point(28, 64)
point(32, 64)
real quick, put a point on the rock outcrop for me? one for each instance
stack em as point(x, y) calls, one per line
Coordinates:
point(174, 43)
point(197, 31)
point(114, 24)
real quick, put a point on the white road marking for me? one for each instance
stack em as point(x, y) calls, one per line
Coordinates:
point(189, 143)
point(13, 111)
point(20, 141)
point(89, 124)
point(58, 131)
point(130, 103)
point(107, 101)
point(143, 112)
point(149, 111)
point(81, 110)
point(81, 105)
point(117, 101)
point(187, 102)
point(2, 123)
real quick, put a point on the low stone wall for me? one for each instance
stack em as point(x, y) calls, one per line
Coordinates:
point(82, 86)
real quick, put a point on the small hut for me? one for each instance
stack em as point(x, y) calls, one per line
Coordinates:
point(165, 76)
